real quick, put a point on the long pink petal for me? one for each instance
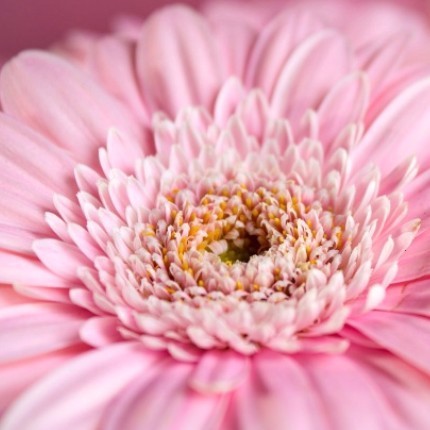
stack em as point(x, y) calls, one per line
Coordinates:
point(380, 58)
point(9, 297)
point(413, 298)
point(100, 331)
point(235, 39)
point(62, 102)
point(179, 67)
point(75, 395)
point(406, 390)
point(274, 45)
point(27, 270)
point(312, 69)
point(278, 395)
point(162, 400)
point(121, 79)
point(17, 376)
point(351, 399)
point(24, 155)
point(62, 258)
point(344, 104)
point(219, 371)
point(407, 336)
point(400, 131)
point(36, 328)
point(415, 262)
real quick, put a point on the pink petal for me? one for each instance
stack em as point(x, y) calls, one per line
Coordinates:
point(407, 391)
point(179, 67)
point(407, 336)
point(344, 104)
point(9, 297)
point(122, 151)
point(62, 102)
point(235, 39)
point(415, 262)
point(83, 241)
point(350, 398)
point(278, 396)
point(228, 98)
point(274, 46)
point(161, 399)
point(121, 79)
point(62, 258)
point(417, 194)
point(412, 298)
point(75, 395)
point(100, 331)
point(24, 155)
point(400, 131)
point(301, 84)
point(395, 86)
point(18, 376)
point(36, 328)
point(380, 58)
point(219, 372)
point(49, 294)
point(26, 270)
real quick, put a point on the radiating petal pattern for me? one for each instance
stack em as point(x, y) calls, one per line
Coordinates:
point(219, 219)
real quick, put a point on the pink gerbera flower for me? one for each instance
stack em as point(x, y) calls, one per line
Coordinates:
point(218, 223)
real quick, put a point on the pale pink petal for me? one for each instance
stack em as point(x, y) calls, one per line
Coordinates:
point(28, 153)
point(49, 294)
point(400, 131)
point(9, 297)
point(349, 396)
point(312, 69)
point(235, 39)
point(121, 79)
point(405, 389)
point(412, 298)
point(393, 87)
point(277, 396)
point(346, 103)
point(17, 240)
point(417, 194)
point(62, 258)
point(17, 376)
point(380, 58)
point(407, 336)
point(100, 331)
point(274, 45)
point(26, 270)
point(162, 400)
point(76, 394)
point(36, 328)
point(228, 98)
point(179, 67)
point(219, 372)
point(123, 151)
point(415, 262)
point(62, 102)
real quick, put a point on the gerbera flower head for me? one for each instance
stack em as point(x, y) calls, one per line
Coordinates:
point(207, 225)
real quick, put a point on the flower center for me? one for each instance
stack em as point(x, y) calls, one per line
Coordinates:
point(226, 234)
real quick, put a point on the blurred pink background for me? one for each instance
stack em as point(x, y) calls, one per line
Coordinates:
point(38, 23)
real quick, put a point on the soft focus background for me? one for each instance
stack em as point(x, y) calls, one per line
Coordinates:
point(38, 23)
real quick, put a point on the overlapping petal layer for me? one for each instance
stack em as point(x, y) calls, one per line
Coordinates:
point(245, 251)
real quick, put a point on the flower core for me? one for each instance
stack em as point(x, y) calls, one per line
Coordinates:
point(258, 235)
